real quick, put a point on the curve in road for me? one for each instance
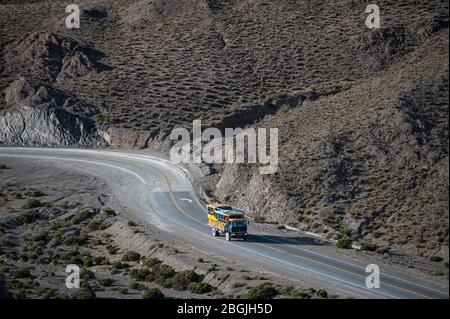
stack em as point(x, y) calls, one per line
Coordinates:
point(158, 193)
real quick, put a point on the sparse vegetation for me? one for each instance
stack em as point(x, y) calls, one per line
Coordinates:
point(200, 288)
point(33, 203)
point(259, 219)
point(437, 259)
point(142, 274)
point(86, 274)
point(383, 250)
point(181, 280)
point(83, 215)
point(344, 243)
point(137, 286)
point(109, 211)
point(262, 291)
point(369, 246)
point(153, 293)
point(151, 261)
point(85, 293)
point(163, 273)
point(132, 223)
point(19, 273)
point(29, 217)
point(131, 256)
point(106, 282)
point(112, 249)
point(34, 193)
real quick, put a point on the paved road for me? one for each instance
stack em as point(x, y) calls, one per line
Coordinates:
point(157, 193)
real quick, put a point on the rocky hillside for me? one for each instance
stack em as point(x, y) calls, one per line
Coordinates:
point(362, 113)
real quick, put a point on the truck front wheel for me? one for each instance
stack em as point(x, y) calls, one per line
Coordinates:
point(214, 232)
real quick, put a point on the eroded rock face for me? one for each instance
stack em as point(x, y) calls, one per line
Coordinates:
point(38, 111)
point(29, 125)
point(40, 114)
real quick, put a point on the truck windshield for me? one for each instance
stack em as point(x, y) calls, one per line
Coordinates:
point(239, 223)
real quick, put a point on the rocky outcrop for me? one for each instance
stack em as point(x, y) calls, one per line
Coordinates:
point(40, 114)
point(31, 125)
point(124, 138)
point(50, 56)
point(38, 110)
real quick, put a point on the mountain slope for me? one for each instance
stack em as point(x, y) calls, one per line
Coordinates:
point(363, 114)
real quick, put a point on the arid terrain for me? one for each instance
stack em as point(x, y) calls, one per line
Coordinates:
point(362, 114)
point(46, 226)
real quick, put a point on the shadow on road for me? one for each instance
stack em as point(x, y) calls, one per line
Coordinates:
point(281, 240)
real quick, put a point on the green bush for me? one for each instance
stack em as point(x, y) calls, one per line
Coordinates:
point(73, 257)
point(322, 293)
point(163, 273)
point(47, 293)
point(64, 205)
point(142, 274)
point(383, 250)
point(131, 256)
point(153, 293)
point(42, 236)
point(95, 225)
point(259, 219)
point(137, 286)
point(6, 243)
point(19, 273)
point(369, 246)
point(85, 293)
point(109, 211)
point(34, 194)
point(344, 243)
point(122, 290)
point(436, 259)
point(213, 267)
point(82, 216)
point(33, 203)
point(301, 294)
point(107, 282)
point(119, 265)
point(75, 240)
point(263, 291)
point(182, 279)
point(200, 288)
point(100, 260)
point(132, 223)
point(151, 261)
point(112, 249)
point(86, 274)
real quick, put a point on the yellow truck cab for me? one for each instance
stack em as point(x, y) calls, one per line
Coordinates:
point(227, 220)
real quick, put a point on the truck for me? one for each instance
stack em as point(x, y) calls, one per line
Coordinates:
point(227, 220)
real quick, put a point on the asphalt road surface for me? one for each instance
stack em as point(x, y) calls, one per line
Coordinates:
point(155, 192)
